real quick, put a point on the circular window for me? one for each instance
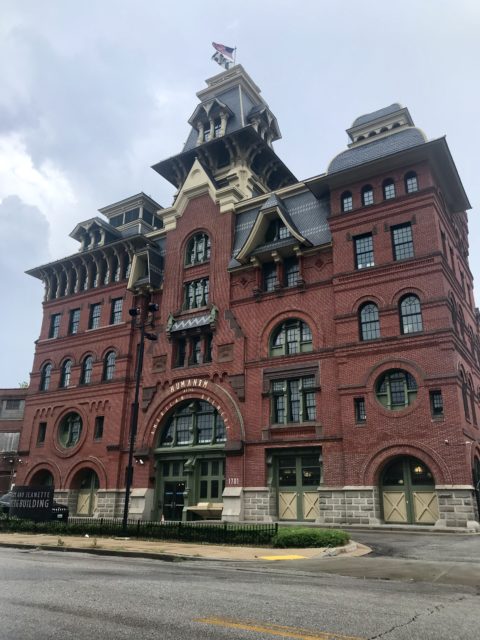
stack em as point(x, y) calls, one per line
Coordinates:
point(69, 430)
point(396, 389)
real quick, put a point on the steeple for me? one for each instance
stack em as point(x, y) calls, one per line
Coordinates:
point(232, 134)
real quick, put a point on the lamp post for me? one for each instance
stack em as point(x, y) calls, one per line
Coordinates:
point(139, 321)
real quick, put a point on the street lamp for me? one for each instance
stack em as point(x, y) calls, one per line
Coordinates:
point(140, 321)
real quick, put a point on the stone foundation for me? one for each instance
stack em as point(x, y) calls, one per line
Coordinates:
point(259, 504)
point(349, 505)
point(457, 507)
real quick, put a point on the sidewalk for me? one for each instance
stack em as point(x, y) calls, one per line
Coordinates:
point(162, 550)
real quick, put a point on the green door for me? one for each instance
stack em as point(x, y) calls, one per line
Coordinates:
point(172, 483)
point(298, 477)
point(408, 493)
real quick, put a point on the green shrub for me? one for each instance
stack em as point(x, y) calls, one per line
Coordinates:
point(300, 537)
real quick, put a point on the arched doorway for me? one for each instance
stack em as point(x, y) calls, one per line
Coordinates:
point(408, 492)
point(190, 463)
point(86, 484)
point(42, 478)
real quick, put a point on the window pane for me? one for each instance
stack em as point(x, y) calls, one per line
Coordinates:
point(369, 322)
point(402, 242)
point(364, 251)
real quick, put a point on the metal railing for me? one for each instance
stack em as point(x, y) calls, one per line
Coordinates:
point(198, 532)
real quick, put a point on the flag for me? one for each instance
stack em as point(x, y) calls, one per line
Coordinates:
point(223, 55)
point(225, 51)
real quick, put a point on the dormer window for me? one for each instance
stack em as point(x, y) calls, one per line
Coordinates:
point(217, 127)
point(206, 133)
point(276, 231)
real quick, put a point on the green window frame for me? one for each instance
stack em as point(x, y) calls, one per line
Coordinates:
point(211, 479)
point(74, 323)
point(396, 389)
point(54, 325)
point(194, 423)
point(293, 400)
point(70, 430)
point(291, 337)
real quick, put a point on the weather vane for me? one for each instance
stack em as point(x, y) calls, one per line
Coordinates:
point(224, 56)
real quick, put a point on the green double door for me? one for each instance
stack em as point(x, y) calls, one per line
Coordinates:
point(187, 482)
point(298, 478)
point(408, 493)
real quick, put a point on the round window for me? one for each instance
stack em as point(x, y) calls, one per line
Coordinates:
point(69, 430)
point(396, 389)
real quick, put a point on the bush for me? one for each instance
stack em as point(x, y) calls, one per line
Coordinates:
point(300, 537)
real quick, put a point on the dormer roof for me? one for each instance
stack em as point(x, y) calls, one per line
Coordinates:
point(255, 242)
point(93, 224)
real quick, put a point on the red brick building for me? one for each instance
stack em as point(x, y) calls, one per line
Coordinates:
point(317, 353)
point(12, 405)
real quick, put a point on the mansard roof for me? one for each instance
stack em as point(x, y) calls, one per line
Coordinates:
point(380, 148)
point(375, 115)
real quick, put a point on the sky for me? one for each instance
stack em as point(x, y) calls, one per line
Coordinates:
point(93, 93)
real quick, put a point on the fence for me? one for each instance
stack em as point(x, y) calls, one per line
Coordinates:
point(219, 533)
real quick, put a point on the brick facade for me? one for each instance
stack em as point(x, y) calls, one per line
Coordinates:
point(321, 464)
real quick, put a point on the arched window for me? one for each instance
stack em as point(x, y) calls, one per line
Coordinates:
point(388, 189)
point(45, 377)
point(453, 311)
point(410, 314)
point(347, 201)
point(463, 380)
point(396, 389)
point(194, 423)
point(109, 365)
point(66, 373)
point(198, 249)
point(471, 393)
point(292, 336)
point(367, 195)
point(461, 322)
point(87, 367)
point(411, 182)
point(69, 430)
point(369, 321)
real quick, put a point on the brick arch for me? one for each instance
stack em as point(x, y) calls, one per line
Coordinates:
point(108, 350)
point(85, 354)
point(389, 363)
point(45, 466)
point(398, 295)
point(282, 316)
point(376, 299)
point(189, 236)
point(373, 466)
point(213, 393)
point(91, 464)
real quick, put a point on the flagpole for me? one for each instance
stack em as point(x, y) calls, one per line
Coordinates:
point(235, 56)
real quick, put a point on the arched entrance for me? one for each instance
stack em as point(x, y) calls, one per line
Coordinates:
point(86, 484)
point(42, 478)
point(408, 492)
point(190, 463)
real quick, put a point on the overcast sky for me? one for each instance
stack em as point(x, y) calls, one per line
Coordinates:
point(93, 93)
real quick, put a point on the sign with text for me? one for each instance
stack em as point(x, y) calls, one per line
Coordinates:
point(32, 503)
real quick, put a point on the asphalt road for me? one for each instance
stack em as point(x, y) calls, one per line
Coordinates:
point(50, 595)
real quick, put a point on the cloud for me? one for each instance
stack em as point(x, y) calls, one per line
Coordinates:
point(24, 232)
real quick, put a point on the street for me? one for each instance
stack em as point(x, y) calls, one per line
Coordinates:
point(48, 595)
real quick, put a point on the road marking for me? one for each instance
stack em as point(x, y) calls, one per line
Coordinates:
point(275, 629)
point(282, 557)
